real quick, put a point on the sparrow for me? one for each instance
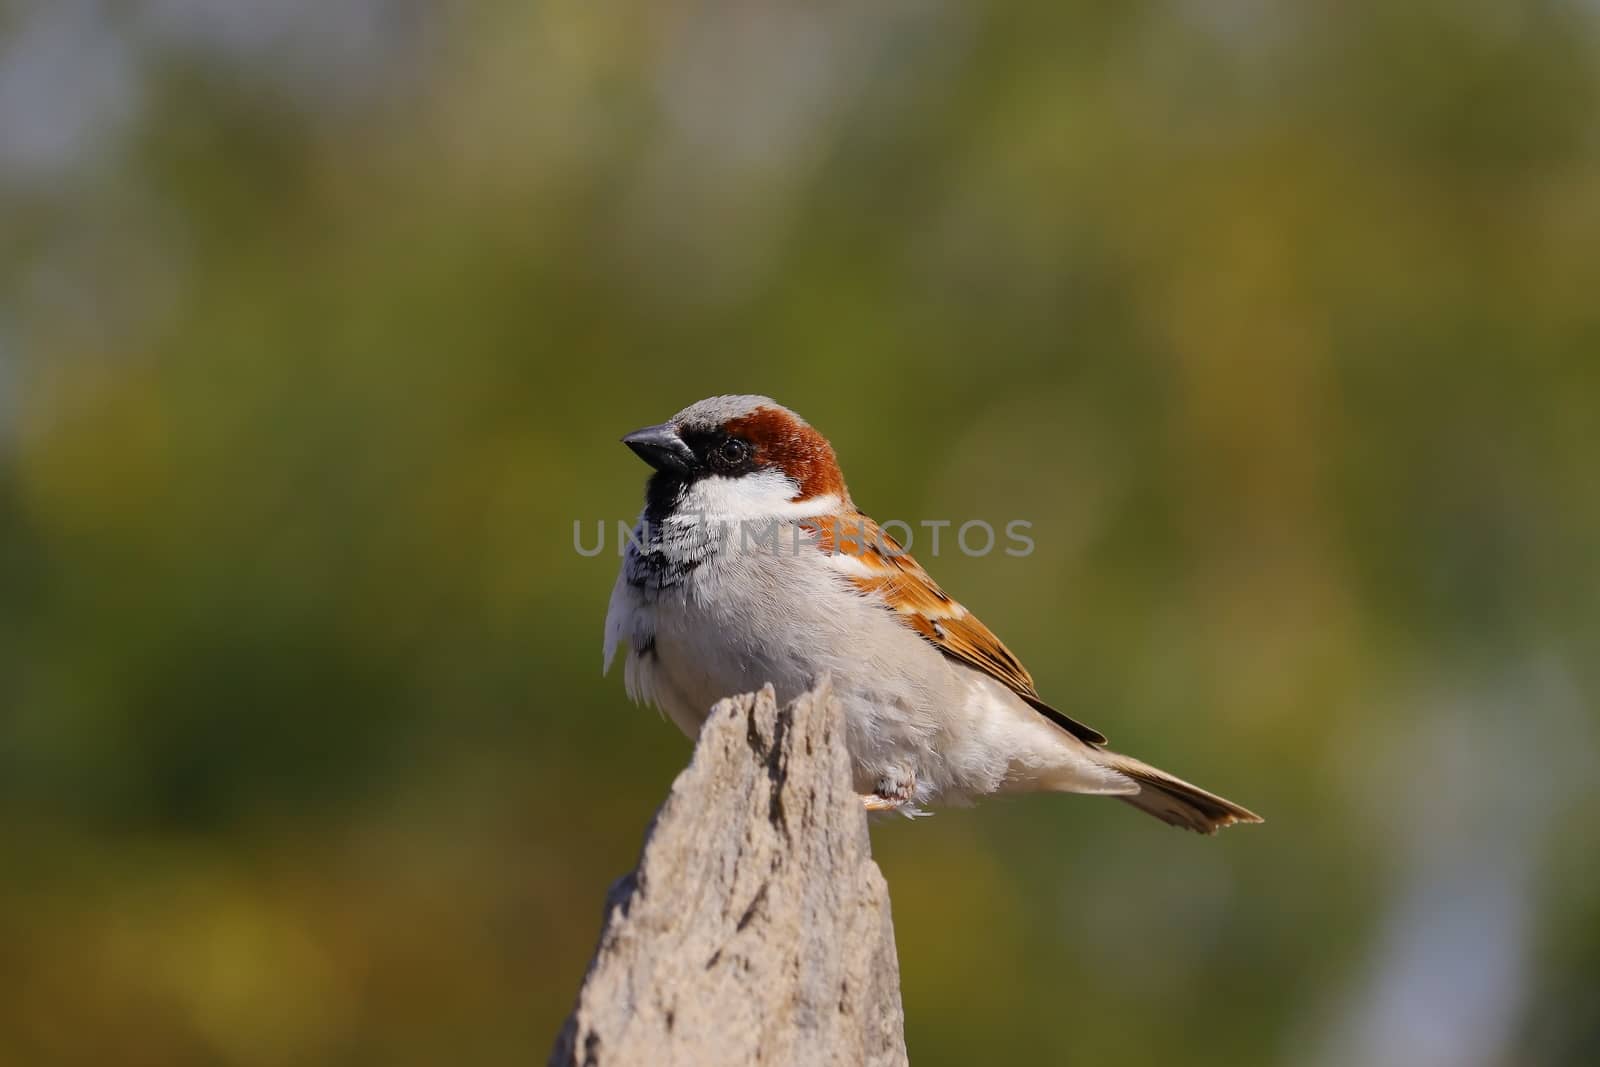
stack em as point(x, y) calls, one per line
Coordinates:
point(751, 565)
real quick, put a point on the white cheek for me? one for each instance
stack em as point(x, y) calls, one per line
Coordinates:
point(757, 495)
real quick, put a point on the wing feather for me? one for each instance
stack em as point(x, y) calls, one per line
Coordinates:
point(877, 565)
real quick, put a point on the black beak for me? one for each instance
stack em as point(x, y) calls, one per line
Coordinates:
point(662, 448)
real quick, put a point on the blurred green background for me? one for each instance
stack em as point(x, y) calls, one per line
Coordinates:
point(318, 328)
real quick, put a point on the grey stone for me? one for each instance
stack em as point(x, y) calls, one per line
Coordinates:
point(756, 928)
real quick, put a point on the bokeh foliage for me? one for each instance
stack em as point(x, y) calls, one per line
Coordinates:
point(1279, 324)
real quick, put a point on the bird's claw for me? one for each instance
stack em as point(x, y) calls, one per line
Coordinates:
point(877, 805)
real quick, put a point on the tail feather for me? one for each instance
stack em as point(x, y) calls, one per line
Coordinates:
point(1174, 801)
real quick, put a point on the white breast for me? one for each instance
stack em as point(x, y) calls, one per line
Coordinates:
point(740, 620)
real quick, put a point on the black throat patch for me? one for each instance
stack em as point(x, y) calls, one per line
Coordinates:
point(662, 552)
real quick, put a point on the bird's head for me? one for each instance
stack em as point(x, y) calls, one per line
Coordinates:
point(739, 457)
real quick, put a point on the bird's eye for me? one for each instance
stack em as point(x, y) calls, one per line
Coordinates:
point(731, 453)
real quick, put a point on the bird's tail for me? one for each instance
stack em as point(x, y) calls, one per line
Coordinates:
point(1174, 801)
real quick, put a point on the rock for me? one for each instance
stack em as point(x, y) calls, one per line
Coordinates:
point(756, 927)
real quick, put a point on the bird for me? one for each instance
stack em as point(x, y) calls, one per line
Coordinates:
point(750, 565)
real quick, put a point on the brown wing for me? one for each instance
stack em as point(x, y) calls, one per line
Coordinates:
point(875, 563)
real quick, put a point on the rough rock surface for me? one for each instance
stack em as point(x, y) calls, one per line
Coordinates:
point(756, 927)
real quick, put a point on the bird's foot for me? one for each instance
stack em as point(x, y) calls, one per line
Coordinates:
point(894, 796)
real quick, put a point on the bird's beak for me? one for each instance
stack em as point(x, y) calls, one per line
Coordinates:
point(662, 448)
